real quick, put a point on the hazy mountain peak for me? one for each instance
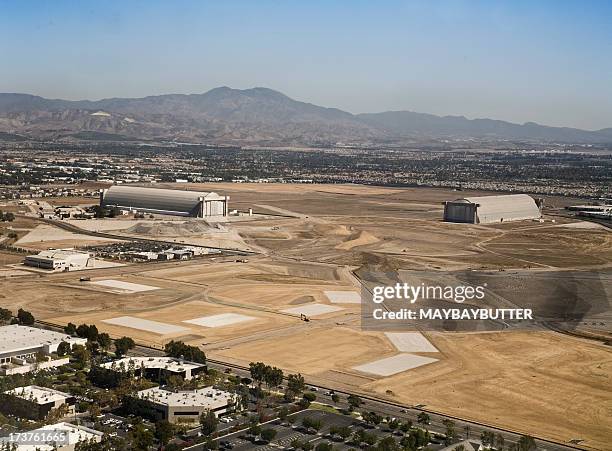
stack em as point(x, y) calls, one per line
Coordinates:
point(254, 115)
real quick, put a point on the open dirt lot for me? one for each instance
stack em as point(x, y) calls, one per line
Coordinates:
point(322, 239)
point(528, 381)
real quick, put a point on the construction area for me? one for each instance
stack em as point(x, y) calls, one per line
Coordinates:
point(293, 299)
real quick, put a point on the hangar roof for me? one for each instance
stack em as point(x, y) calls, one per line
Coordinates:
point(156, 199)
point(508, 206)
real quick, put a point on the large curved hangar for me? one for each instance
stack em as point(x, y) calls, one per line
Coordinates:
point(173, 202)
point(492, 209)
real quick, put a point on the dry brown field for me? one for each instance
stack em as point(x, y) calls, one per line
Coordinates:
point(544, 383)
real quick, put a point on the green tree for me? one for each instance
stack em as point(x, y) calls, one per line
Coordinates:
point(526, 443)
point(295, 383)
point(273, 377)
point(63, 349)
point(87, 331)
point(335, 398)
point(208, 422)
point(123, 345)
point(487, 438)
point(5, 315)
point(388, 444)
point(104, 340)
point(282, 413)
point(141, 438)
point(178, 349)
point(309, 396)
point(324, 446)
point(405, 426)
point(354, 401)
point(81, 355)
point(258, 371)
point(268, 434)
point(70, 329)
point(423, 418)
point(164, 431)
point(450, 433)
point(24, 317)
point(372, 418)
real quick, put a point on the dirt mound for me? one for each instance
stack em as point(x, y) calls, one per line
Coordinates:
point(189, 228)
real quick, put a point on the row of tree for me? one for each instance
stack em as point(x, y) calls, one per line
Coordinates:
point(23, 317)
point(102, 340)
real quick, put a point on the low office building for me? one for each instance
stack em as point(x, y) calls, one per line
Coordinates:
point(59, 436)
point(179, 406)
point(60, 260)
point(24, 349)
point(35, 403)
point(157, 369)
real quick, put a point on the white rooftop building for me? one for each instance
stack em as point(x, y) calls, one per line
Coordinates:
point(59, 436)
point(20, 345)
point(38, 395)
point(156, 366)
point(36, 402)
point(60, 260)
point(186, 406)
point(492, 209)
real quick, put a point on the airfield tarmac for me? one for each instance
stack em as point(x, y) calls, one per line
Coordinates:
point(543, 383)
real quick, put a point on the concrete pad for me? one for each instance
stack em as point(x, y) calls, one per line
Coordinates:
point(125, 287)
point(343, 297)
point(393, 365)
point(223, 319)
point(312, 309)
point(582, 225)
point(410, 342)
point(145, 324)
point(50, 233)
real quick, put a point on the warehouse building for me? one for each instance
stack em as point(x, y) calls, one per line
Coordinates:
point(21, 348)
point(156, 368)
point(172, 202)
point(60, 260)
point(493, 209)
point(35, 403)
point(182, 406)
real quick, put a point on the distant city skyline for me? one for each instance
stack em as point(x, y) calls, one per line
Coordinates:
point(520, 61)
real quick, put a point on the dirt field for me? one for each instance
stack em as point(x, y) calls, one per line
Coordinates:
point(528, 381)
point(543, 383)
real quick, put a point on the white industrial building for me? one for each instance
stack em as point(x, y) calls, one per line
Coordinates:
point(20, 346)
point(156, 368)
point(36, 402)
point(67, 436)
point(492, 209)
point(172, 202)
point(60, 260)
point(186, 406)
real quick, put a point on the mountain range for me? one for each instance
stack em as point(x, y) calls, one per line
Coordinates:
point(257, 116)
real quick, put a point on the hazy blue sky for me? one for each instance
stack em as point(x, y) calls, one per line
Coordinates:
point(543, 61)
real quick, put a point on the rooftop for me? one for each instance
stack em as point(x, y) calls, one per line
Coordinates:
point(17, 338)
point(59, 254)
point(209, 397)
point(39, 395)
point(167, 363)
